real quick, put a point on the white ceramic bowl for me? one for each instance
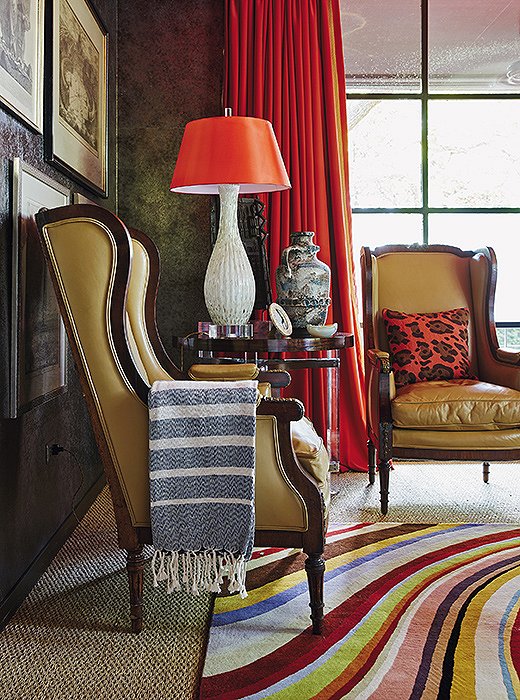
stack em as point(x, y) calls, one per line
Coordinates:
point(323, 331)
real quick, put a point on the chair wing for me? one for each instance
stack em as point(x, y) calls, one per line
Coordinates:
point(89, 256)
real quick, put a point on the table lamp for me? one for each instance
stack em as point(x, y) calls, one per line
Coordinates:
point(227, 155)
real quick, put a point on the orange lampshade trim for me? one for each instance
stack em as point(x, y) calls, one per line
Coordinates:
point(229, 151)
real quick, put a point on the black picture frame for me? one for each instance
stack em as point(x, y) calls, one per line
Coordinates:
point(76, 93)
point(38, 370)
point(251, 225)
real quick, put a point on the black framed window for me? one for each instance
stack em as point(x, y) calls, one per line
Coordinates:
point(433, 103)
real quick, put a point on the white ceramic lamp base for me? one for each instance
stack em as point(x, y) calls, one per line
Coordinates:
point(229, 286)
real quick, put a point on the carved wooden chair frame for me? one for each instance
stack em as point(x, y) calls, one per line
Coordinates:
point(378, 370)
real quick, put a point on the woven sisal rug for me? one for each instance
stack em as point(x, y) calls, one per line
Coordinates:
point(412, 611)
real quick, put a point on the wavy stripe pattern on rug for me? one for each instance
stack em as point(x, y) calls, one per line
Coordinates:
point(411, 611)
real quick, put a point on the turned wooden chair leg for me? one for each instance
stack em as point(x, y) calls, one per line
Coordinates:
point(485, 472)
point(384, 477)
point(135, 568)
point(315, 568)
point(371, 462)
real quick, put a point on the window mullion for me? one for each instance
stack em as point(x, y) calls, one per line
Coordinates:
point(424, 117)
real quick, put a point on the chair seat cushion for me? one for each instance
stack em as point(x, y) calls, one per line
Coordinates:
point(459, 404)
point(312, 454)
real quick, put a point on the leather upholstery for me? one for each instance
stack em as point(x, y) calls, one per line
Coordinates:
point(307, 444)
point(135, 300)
point(458, 404)
point(278, 506)
point(499, 440)
point(457, 414)
point(227, 372)
point(86, 301)
point(312, 455)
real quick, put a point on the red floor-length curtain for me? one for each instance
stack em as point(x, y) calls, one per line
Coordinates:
point(284, 63)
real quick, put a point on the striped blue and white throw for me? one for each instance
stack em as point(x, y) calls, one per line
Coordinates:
point(202, 467)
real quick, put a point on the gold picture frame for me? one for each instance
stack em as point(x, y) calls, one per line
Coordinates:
point(38, 343)
point(21, 60)
point(76, 124)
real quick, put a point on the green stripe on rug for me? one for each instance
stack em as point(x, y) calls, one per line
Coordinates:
point(392, 609)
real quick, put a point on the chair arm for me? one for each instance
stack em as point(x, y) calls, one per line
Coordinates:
point(378, 390)
point(500, 367)
point(508, 356)
point(296, 478)
point(284, 410)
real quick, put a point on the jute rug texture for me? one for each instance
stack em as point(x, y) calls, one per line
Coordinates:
point(437, 492)
point(70, 638)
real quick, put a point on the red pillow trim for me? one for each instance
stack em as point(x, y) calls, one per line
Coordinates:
point(429, 346)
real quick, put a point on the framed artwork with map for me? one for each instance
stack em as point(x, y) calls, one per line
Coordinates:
point(76, 139)
point(21, 59)
point(38, 345)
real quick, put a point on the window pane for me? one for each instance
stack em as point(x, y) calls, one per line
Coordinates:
point(373, 230)
point(385, 152)
point(382, 45)
point(509, 338)
point(501, 232)
point(474, 46)
point(474, 149)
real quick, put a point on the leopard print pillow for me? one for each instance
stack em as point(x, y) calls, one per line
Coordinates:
point(428, 346)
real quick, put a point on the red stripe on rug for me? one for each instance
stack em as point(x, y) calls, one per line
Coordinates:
point(304, 649)
point(332, 532)
point(343, 683)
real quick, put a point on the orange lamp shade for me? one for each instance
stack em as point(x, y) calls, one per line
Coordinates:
point(229, 151)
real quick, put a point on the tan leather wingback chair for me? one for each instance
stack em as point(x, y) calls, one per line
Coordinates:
point(106, 284)
point(410, 421)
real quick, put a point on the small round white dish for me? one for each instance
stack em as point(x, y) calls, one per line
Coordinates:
point(323, 331)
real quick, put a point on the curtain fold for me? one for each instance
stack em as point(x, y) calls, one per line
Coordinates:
point(284, 63)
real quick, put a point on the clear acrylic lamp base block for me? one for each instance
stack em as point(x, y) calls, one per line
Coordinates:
point(229, 286)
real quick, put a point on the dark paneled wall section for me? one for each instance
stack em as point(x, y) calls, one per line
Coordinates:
point(35, 498)
point(170, 72)
point(168, 59)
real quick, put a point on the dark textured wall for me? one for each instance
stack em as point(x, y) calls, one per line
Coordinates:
point(170, 72)
point(35, 498)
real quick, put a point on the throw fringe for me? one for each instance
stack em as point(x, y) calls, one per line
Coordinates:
point(196, 572)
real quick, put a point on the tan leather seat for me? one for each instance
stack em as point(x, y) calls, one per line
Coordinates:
point(458, 404)
point(464, 419)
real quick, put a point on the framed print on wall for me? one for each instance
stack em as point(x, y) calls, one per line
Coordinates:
point(76, 98)
point(78, 198)
point(38, 347)
point(21, 59)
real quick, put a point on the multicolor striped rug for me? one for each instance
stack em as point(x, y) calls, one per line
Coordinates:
point(411, 611)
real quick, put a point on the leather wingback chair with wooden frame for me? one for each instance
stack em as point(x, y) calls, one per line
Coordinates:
point(106, 283)
point(407, 422)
